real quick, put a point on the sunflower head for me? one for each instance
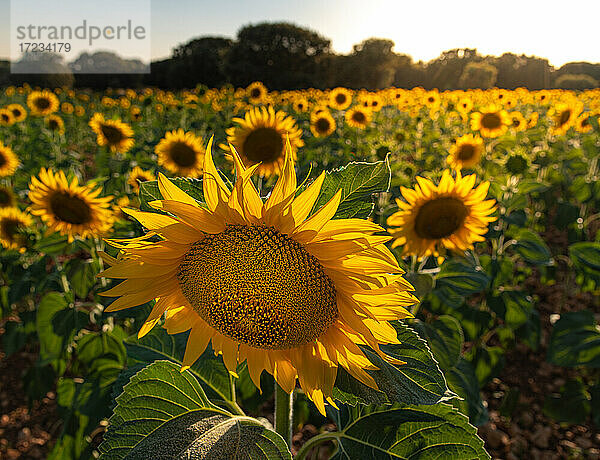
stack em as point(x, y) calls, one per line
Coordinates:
point(518, 122)
point(466, 152)
point(14, 224)
point(516, 164)
point(8, 161)
point(490, 122)
point(563, 116)
point(181, 153)
point(7, 197)
point(42, 103)
point(6, 117)
point(67, 108)
point(340, 98)
point(267, 282)
point(114, 134)
point(452, 215)
point(322, 125)
point(583, 125)
point(137, 176)
point(18, 112)
point(55, 123)
point(256, 92)
point(260, 138)
point(358, 117)
point(69, 208)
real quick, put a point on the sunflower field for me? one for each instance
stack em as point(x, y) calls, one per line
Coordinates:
point(248, 274)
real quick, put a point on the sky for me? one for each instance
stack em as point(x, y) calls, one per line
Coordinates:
point(557, 30)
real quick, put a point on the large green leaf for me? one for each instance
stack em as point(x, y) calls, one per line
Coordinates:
point(419, 381)
point(358, 182)
point(575, 340)
point(531, 247)
point(586, 257)
point(461, 279)
point(487, 362)
point(409, 432)
point(209, 369)
point(56, 325)
point(571, 405)
point(463, 381)
point(445, 338)
point(164, 413)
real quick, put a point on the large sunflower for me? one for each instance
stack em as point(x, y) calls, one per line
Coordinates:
point(18, 111)
point(288, 292)
point(114, 134)
point(490, 122)
point(42, 103)
point(340, 98)
point(13, 223)
point(260, 137)
point(69, 208)
point(452, 214)
point(181, 153)
point(358, 117)
point(138, 175)
point(8, 161)
point(322, 125)
point(466, 152)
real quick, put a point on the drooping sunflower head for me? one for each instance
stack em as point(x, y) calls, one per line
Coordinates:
point(181, 153)
point(7, 197)
point(256, 92)
point(6, 117)
point(42, 103)
point(69, 208)
point(137, 176)
point(466, 152)
point(267, 282)
point(358, 117)
point(114, 134)
point(490, 122)
point(322, 125)
point(8, 161)
point(340, 98)
point(13, 226)
point(18, 112)
point(260, 137)
point(55, 123)
point(452, 215)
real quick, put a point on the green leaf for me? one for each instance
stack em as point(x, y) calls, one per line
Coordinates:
point(209, 369)
point(445, 338)
point(56, 325)
point(571, 406)
point(82, 276)
point(422, 282)
point(530, 186)
point(164, 413)
point(575, 340)
point(487, 362)
point(586, 257)
point(409, 432)
point(531, 247)
point(149, 191)
point(519, 306)
point(419, 381)
point(463, 381)
point(461, 279)
point(52, 244)
point(358, 182)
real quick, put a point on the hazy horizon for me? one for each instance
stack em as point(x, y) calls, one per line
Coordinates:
point(423, 31)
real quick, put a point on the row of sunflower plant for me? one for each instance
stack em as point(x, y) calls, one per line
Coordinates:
point(183, 263)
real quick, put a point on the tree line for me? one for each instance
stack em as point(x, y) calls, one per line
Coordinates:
point(285, 56)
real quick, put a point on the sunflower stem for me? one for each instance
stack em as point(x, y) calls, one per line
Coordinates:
point(284, 413)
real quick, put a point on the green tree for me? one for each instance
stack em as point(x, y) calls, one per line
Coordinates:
point(576, 81)
point(281, 55)
point(478, 75)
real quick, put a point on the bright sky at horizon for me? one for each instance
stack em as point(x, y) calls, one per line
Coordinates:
point(549, 29)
